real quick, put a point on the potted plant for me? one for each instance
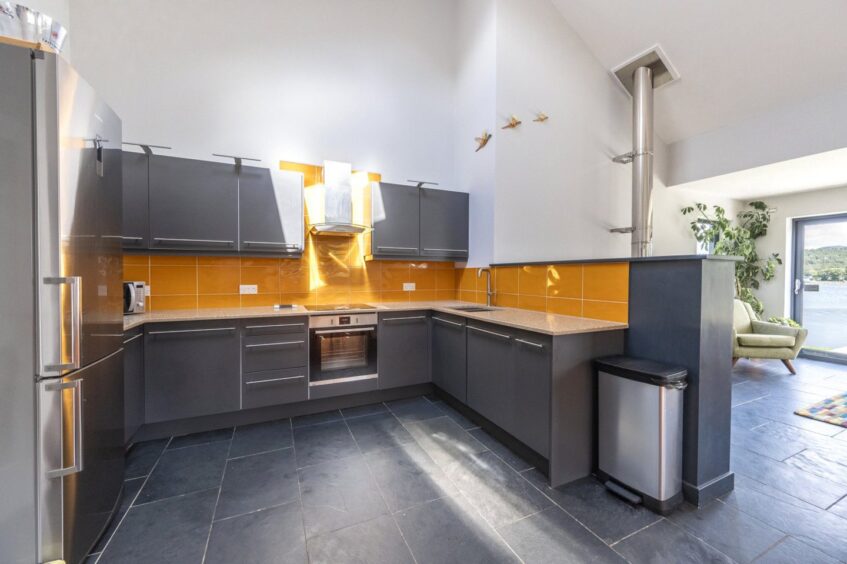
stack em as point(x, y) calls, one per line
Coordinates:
point(723, 236)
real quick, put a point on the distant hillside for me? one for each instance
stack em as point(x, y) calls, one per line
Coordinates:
point(826, 263)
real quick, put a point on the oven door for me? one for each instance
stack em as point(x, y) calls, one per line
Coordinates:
point(342, 354)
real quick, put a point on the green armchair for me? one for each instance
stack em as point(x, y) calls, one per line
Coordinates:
point(752, 338)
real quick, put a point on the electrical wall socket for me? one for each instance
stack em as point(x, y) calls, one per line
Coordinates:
point(408, 286)
point(249, 289)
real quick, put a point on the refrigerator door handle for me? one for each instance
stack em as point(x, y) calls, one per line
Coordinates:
point(77, 465)
point(75, 283)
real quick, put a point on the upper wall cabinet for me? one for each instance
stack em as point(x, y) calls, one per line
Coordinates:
point(419, 223)
point(270, 209)
point(193, 205)
point(136, 230)
point(396, 219)
point(444, 224)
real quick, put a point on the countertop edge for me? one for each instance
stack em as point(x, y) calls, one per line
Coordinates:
point(622, 259)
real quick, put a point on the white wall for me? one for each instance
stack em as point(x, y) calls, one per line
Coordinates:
point(476, 111)
point(370, 82)
point(558, 192)
point(776, 293)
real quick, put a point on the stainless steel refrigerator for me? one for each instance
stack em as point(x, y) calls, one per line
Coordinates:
point(61, 313)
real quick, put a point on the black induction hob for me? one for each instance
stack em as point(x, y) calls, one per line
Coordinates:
point(338, 307)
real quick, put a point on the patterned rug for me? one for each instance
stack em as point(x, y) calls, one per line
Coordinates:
point(831, 410)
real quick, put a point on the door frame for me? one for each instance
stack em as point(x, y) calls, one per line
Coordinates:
point(798, 243)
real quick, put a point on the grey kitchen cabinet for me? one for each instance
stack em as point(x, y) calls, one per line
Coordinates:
point(274, 361)
point(270, 208)
point(396, 219)
point(136, 218)
point(530, 390)
point(193, 205)
point(403, 352)
point(133, 382)
point(191, 369)
point(449, 355)
point(490, 373)
point(444, 224)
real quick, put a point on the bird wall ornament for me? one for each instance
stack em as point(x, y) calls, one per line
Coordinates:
point(541, 117)
point(513, 123)
point(482, 141)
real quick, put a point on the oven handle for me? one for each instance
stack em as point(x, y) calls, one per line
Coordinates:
point(351, 330)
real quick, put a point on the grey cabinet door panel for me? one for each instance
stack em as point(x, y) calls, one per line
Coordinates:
point(193, 205)
point(133, 382)
point(490, 373)
point(275, 326)
point(396, 219)
point(272, 353)
point(136, 217)
point(275, 387)
point(530, 390)
point(403, 352)
point(444, 223)
point(449, 355)
point(192, 369)
point(263, 213)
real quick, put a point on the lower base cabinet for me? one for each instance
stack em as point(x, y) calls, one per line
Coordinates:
point(191, 369)
point(449, 355)
point(403, 352)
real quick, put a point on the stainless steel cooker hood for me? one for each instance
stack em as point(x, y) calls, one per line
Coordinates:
point(333, 204)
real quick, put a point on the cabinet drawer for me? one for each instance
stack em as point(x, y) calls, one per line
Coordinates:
point(274, 352)
point(276, 326)
point(274, 387)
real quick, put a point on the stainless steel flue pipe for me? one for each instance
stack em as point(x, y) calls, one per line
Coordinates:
point(642, 162)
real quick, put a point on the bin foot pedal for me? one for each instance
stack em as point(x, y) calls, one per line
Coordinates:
point(621, 491)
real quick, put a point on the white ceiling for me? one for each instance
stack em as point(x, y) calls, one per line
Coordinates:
point(737, 58)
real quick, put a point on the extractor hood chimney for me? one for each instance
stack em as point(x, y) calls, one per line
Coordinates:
point(639, 77)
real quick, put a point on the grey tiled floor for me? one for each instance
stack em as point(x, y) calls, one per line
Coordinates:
point(414, 481)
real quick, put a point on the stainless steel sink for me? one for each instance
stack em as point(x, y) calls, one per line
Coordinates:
point(473, 309)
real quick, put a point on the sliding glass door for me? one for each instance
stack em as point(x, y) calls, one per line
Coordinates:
point(820, 285)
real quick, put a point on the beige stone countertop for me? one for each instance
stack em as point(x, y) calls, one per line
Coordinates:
point(535, 321)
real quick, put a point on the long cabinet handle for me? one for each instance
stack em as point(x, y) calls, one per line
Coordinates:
point(442, 320)
point(75, 284)
point(203, 241)
point(447, 250)
point(397, 248)
point(280, 344)
point(272, 244)
point(410, 318)
point(132, 238)
point(131, 339)
point(77, 465)
point(351, 330)
point(501, 335)
point(269, 380)
point(530, 343)
point(184, 331)
point(303, 325)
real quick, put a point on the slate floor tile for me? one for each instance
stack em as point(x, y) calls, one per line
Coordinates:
point(605, 514)
point(374, 542)
point(316, 418)
point(362, 410)
point(840, 508)
point(511, 458)
point(201, 438)
point(736, 534)
point(463, 421)
point(374, 432)
point(169, 531)
point(499, 493)
point(142, 457)
point(826, 463)
point(186, 470)
point(451, 531)
point(261, 437)
point(131, 489)
point(444, 440)
point(407, 476)
point(338, 494)
point(258, 482)
point(664, 542)
point(314, 444)
point(798, 483)
point(270, 535)
point(416, 409)
point(554, 536)
point(777, 448)
point(792, 551)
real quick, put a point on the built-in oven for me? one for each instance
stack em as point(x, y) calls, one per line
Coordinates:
point(342, 348)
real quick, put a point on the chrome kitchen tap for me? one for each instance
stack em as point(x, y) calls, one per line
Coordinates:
point(488, 292)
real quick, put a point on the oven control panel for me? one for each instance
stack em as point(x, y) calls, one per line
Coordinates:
point(350, 320)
